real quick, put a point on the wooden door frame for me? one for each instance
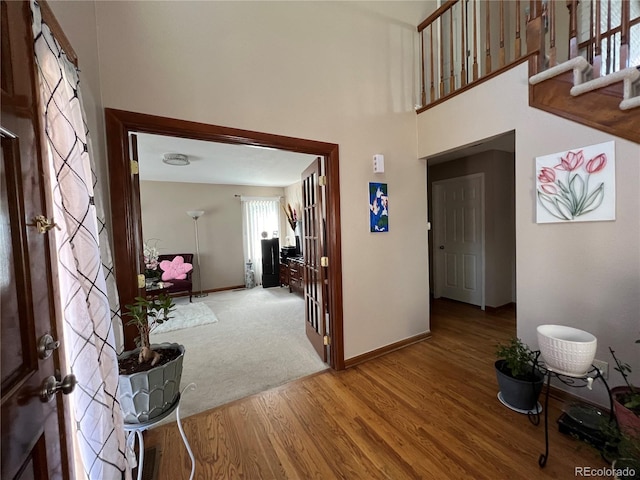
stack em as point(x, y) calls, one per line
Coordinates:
point(434, 246)
point(126, 214)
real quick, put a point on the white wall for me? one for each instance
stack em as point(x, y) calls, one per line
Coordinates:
point(585, 275)
point(340, 72)
point(78, 21)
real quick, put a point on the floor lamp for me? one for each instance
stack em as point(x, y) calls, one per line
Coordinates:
point(196, 214)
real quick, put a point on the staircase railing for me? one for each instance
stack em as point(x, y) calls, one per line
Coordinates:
point(465, 42)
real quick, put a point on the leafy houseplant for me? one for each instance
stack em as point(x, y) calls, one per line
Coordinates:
point(519, 381)
point(145, 315)
point(149, 380)
point(626, 400)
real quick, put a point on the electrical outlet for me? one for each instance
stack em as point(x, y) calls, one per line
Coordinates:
point(603, 367)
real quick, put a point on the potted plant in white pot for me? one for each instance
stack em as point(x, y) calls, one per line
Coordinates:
point(519, 381)
point(149, 380)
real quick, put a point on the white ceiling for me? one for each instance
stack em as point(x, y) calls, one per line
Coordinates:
point(505, 142)
point(219, 163)
point(227, 164)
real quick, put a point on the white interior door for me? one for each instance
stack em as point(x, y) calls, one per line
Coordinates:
point(458, 232)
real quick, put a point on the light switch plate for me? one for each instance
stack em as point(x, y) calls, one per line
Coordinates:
point(378, 164)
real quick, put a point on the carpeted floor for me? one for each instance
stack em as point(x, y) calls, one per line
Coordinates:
point(259, 342)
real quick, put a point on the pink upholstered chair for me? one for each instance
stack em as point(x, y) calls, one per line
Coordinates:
point(179, 286)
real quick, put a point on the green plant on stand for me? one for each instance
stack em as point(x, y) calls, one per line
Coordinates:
point(146, 314)
point(519, 381)
point(518, 358)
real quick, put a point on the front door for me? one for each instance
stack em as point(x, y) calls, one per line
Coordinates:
point(31, 428)
point(458, 247)
point(314, 273)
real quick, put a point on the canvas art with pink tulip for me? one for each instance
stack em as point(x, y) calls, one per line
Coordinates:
point(577, 185)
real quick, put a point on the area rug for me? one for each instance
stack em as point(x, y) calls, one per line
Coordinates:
point(187, 316)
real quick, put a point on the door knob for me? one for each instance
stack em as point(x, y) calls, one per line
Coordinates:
point(51, 386)
point(441, 247)
point(46, 345)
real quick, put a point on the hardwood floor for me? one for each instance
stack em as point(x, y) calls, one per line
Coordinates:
point(426, 411)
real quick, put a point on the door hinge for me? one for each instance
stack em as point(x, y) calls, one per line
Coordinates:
point(324, 261)
point(135, 170)
point(141, 281)
point(322, 180)
point(326, 340)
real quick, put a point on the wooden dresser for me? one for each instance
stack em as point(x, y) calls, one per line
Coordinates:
point(292, 274)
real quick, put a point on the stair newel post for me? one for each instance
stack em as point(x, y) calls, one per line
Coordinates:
point(501, 52)
point(535, 37)
point(551, 15)
point(463, 45)
point(475, 40)
point(597, 47)
point(625, 30)
point(518, 46)
point(423, 93)
point(487, 68)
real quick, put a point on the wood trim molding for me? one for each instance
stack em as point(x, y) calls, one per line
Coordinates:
point(125, 202)
point(50, 19)
point(506, 306)
point(378, 352)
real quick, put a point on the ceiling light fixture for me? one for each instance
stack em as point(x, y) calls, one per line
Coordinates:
point(177, 159)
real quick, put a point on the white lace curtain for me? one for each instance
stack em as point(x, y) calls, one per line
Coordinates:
point(258, 215)
point(83, 264)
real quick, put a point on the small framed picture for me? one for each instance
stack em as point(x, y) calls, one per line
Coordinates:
point(378, 207)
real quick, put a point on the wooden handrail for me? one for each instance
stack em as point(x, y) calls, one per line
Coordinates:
point(437, 14)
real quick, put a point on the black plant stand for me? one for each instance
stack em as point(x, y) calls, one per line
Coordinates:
point(585, 380)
